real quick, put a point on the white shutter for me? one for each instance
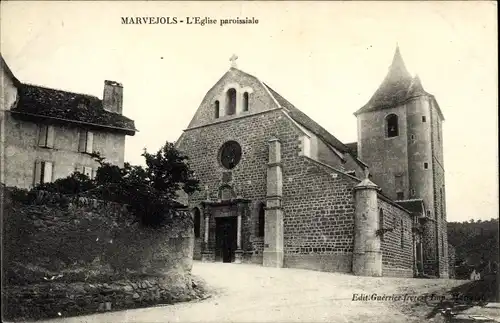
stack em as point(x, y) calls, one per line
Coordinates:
point(38, 173)
point(47, 173)
point(90, 142)
point(87, 171)
point(50, 137)
point(42, 136)
point(82, 141)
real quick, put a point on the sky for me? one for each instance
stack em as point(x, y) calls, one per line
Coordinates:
point(327, 58)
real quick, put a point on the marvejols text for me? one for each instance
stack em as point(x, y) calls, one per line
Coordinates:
point(202, 21)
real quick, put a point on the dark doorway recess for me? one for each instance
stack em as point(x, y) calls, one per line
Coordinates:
point(225, 238)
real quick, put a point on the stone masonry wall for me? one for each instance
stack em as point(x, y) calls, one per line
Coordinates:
point(75, 258)
point(317, 207)
point(248, 178)
point(397, 245)
point(386, 157)
point(259, 100)
point(319, 216)
point(439, 193)
point(45, 300)
point(317, 199)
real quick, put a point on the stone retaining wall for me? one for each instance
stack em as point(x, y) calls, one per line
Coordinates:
point(88, 255)
point(56, 299)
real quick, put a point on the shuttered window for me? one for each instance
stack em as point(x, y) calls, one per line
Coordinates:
point(46, 136)
point(86, 144)
point(43, 172)
point(87, 170)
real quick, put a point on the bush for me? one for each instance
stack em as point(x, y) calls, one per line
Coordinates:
point(149, 192)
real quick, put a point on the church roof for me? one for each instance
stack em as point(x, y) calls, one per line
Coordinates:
point(299, 116)
point(39, 101)
point(353, 148)
point(397, 87)
point(308, 123)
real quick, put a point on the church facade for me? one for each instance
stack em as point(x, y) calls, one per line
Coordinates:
point(280, 190)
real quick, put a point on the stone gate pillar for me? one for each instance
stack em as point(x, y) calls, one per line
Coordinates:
point(239, 252)
point(273, 228)
point(207, 252)
point(367, 255)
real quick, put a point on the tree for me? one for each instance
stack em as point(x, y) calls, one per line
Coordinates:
point(149, 192)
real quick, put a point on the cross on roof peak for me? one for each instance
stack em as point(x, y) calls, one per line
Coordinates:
point(233, 60)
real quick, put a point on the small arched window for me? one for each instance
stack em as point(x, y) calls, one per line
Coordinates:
point(197, 222)
point(231, 102)
point(262, 219)
point(392, 127)
point(245, 101)
point(216, 109)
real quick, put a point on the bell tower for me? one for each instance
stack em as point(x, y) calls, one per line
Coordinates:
point(400, 138)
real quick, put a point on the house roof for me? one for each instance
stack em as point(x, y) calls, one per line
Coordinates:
point(50, 103)
point(414, 206)
point(397, 87)
point(41, 102)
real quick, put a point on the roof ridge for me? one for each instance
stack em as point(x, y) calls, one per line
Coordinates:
point(60, 90)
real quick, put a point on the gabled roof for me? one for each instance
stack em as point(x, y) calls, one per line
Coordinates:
point(39, 101)
point(415, 206)
point(353, 148)
point(297, 115)
point(397, 87)
point(308, 123)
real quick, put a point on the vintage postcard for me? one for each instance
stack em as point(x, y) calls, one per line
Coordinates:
point(249, 161)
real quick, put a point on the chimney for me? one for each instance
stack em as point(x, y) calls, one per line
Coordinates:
point(112, 98)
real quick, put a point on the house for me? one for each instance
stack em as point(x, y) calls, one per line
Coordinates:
point(47, 134)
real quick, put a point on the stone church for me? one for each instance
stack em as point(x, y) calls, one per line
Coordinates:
point(280, 190)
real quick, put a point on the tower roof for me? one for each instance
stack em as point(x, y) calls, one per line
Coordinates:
point(397, 87)
point(397, 70)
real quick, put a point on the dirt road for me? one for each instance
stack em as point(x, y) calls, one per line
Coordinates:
point(250, 293)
